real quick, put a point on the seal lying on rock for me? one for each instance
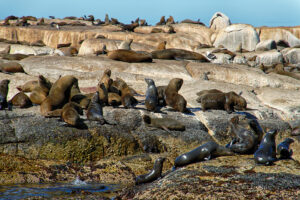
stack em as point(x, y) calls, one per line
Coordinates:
point(245, 140)
point(154, 174)
point(3, 94)
point(164, 123)
point(173, 99)
point(283, 149)
point(128, 56)
point(28, 86)
point(178, 54)
point(17, 56)
point(204, 92)
point(223, 101)
point(266, 152)
point(21, 100)
point(70, 113)
point(151, 100)
point(203, 152)
point(11, 67)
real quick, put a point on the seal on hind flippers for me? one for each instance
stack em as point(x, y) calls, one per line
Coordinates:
point(95, 111)
point(41, 91)
point(3, 94)
point(127, 98)
point(173, 99)
point(151, 100)
point(161, 91)
point(154, 174)
point(21, 100)
point(283, 149)
point(266, 152)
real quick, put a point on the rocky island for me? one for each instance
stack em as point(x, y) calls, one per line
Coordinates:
point(260, 64)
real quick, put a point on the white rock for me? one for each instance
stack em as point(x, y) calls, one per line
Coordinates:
point(265, 45)
point(235, 35)
point(34, 50)
point(269, 58)
point(292, 55)
point(219, 21)
point(238, 59)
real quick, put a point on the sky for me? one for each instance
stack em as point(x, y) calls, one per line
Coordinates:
point(254, 12)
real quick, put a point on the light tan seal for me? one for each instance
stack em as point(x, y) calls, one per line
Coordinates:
point(20, 100)
point(173, 99)
point(128, 56)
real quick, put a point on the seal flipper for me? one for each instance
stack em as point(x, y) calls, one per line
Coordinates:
point(166, 129)
point(207, 157)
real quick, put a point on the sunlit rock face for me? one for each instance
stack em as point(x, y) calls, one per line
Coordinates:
point(219, 21)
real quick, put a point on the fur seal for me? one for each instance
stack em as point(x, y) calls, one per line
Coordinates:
point(16, 56)
point(21, 100)
point(164, 123)
point(28, 86)
point(128, 56)
point(125, 44)
point(40, 92)
point(162, 21)
point(204, 92)
point(204, 152)
point(178, 54)
point(95, 111)
point(170, 20)
point(58, 94)
point(151, 100)
point(189, 21)
point(173, 99)
point(3, 94)
point(266, 152)
point(154, 174)
point(245, 141)
point(161, 91)
point(129, 27)
point(11, 67)
point(283, 149)
point(114, 99)
point(128, 101)
point(223, 101)
point(103, 90)
point(161, 45)
point(70, 113)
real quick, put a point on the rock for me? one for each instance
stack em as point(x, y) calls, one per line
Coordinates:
point(30, 50)
point(222, 58)
point(148, 29)
point(265, 45)
point(279, 33)
point(269, 58)
point(235, 35)
point(238, 59)
point(291, 56)
point(219, 21)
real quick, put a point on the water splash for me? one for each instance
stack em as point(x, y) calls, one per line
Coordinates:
point(78, 182)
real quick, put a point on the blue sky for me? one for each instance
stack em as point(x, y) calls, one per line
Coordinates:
point(255, 12)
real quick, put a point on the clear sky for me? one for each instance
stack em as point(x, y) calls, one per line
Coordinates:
point(254, 12)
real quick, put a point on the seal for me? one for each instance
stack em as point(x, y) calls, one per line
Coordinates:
point(11, 67)
point(164, 123)
point(21, 100)
point(95, 111)
point(154, 174)
point(129, 27)
point(3, 94)
point(162, 21)
point(283, 149)
point(266, 152)
point(203, 152)
point(204, 92)
point(40, 92)
point(161, 45)
point(127, 99)
point(128, 56)
point(173, 99)
point(16, 56)
point(245, 140)
point(170, 20)
point(58, 95)
point(178, 54)
point(114, 99)
point(125, 44)
point(223, 101)
point(70, 113)
point(161, 91)
point(28, 86)
point(151, 100)
point(103, 90)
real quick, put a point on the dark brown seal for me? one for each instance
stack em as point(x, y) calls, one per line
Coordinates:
point(161, 91)
point(154, 174)
point(21, 100)
point(178, 54)
point(151, 101)
point(17, 56)
point(162, 21)
point(283, 149)
point(204, 92)
point(11, 67)
point(173, 99)
point(103, 90)
point(164, 123)
point(266, 152)
point(128, 56)
point(128, 101)
point(95, 111)
point(223, 101)
point(3, 94)
point(58, 94)
point(203, 152)
point(70, 113)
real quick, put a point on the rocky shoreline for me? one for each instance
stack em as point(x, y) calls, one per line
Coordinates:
point(34, 149)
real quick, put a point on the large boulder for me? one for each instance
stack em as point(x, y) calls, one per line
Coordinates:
point(291, 55)
point(237, 36)
point(266, 45)
point(28, 50)
point(269, 58)
point(219, 21)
